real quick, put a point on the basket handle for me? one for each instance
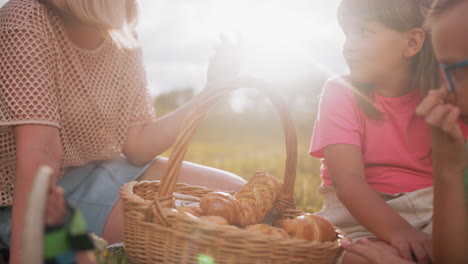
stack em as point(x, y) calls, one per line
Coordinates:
point(169, 179)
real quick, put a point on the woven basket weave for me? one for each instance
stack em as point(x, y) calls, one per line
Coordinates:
point(153, 233)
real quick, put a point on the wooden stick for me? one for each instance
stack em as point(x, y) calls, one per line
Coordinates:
point(33, 234)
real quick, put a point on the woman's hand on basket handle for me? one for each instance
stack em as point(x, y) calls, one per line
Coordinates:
point(225, 64)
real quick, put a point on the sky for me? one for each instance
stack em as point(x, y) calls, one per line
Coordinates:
point(284, 40)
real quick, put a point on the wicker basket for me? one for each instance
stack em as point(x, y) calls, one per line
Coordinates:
point(153, 233)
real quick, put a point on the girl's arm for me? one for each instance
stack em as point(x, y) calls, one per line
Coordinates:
point(36, 145)
point(346, 168)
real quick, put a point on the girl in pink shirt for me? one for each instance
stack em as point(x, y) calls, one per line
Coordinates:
point(446, 111)
point(376, 166)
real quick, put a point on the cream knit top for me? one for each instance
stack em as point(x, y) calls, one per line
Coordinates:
point(92, 97)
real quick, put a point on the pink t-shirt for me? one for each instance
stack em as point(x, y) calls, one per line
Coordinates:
point(395, 150)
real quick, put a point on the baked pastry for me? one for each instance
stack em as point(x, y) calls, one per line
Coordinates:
point(257, 197)
point(268, 230)
point(310, 227)
point(247, 207)
point(214, 219)
point(222, 204)
point(191, 209)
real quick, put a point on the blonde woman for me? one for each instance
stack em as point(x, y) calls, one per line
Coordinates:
point(74, 97)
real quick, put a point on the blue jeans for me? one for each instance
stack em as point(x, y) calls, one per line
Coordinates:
point(93, 188)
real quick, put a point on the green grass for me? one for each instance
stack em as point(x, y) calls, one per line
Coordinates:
point(242, 144)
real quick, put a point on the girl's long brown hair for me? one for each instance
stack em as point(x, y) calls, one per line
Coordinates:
point(402, 16)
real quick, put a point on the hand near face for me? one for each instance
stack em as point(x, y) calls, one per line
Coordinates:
point(448, 147)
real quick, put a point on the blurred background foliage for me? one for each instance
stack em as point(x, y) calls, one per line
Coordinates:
point(249, 138)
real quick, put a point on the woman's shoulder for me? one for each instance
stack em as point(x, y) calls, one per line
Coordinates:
point(23, 14)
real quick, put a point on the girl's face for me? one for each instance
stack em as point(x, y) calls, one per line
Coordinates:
point(372, 50)
point(451, 46)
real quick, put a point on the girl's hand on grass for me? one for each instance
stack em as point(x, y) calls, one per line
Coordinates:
point(413, 245)
point(374, 252)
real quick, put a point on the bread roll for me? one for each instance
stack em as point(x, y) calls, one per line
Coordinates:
point(222, 204)
point(191, 209)
point(268, 230)
point(214, 219)
point(310, 227)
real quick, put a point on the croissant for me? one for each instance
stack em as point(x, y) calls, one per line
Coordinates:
point(269, 230)
point(310, 227)
point(249, 206)
point(257, 197)
point(222, 204)
point(191, 209)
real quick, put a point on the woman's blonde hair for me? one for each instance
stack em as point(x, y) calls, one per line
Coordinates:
point(116, 18)
point(402, 16)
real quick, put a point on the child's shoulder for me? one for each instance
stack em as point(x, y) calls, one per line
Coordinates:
point(338, 86)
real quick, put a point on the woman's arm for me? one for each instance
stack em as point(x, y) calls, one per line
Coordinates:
point(450, 218)
point(450, 160)
point(145, 142)
point(346, 168)
point(36, 145)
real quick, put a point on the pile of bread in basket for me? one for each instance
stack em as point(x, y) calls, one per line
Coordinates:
point(248, 207)
point(208, 226)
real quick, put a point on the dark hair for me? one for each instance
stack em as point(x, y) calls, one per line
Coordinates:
point(402, 16)
point(438, 8)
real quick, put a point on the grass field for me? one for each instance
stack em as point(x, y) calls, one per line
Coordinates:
point(244, 143)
